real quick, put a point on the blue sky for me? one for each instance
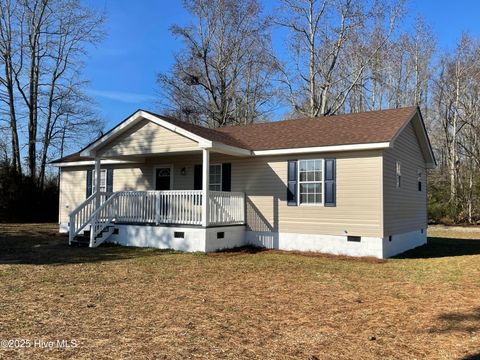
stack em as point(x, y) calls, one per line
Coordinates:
point(138, 44)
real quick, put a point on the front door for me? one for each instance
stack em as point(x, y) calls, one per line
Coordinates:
point(162, 178)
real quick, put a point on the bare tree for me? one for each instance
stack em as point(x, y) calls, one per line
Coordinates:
point(73, 27)
point(7, 33)
point(329, 44)
point(224, 73)
point(42, 43)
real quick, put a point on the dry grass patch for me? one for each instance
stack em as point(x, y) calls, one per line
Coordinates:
point(121, 303)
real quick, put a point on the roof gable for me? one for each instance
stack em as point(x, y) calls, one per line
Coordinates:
point(147, 137)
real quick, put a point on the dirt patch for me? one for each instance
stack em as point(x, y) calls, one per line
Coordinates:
point(120, 303)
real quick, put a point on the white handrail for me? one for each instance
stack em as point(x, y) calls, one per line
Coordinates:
point(102, 217)
point(80, 217)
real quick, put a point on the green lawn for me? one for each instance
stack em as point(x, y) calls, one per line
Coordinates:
point(119, 302)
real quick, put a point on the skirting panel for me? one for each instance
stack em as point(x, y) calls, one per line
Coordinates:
point(400, 243)
point(226, 237)
point(331, 244)
point(190, 239)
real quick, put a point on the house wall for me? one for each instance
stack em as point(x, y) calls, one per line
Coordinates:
point(358, 208)
point(72, 192)
point(148, 138)
point(263, 179)
point(405, 208)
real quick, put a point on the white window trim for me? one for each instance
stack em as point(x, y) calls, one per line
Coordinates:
point(94, 181)
point(322, 160)
point(221, 176)
point(154, 182)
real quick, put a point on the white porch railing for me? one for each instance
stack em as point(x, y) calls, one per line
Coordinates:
point(160, 207)
point(183, 207)
point(226, 208)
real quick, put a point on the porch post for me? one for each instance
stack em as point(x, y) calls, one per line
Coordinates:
point(97, 182)
point(205, 186)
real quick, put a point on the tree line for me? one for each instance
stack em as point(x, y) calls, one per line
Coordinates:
point(336, 56)
point(43, 105)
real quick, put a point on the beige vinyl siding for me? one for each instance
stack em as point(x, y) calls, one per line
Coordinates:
point(405, 208)
point(72, 190)
point(133, 177)
point(358, 208)
point(264, 179)
point(148, 138)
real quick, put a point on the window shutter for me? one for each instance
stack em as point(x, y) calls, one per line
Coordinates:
point(227, 177)
point(292, 183)
point(197, 177)
point(109, 180)
point(330, 182)
point(89, 182)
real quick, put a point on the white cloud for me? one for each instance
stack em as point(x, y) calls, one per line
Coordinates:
point(122, 96)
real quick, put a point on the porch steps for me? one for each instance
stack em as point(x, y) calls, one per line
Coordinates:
point(104, 235)
point(83, 240)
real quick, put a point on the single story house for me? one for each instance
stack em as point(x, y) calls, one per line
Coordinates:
point(346, 184)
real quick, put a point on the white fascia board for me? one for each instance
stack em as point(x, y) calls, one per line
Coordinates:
point(230, 150)
point(139, 115)
point(320, 149)
point(92, 162)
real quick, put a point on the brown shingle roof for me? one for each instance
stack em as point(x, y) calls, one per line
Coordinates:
point(360, 128)
point(349, 129)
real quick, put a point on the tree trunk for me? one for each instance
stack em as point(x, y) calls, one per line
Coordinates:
point(16, 159)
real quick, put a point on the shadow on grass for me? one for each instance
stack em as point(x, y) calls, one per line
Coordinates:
point(472, 357)
point(437, 247)
point(240, 250)
point(460, 322)
point(41, 248)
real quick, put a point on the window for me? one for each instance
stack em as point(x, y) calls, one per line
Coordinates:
point(103, 181)
point(399, 173)
point(215, 177)
point(221, 235)
point(419, 174)
point(310, 184)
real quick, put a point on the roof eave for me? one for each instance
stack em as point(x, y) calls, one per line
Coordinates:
point(323, 149)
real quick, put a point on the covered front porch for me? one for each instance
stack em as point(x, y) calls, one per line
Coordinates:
point(104, 213)
point(150, 157)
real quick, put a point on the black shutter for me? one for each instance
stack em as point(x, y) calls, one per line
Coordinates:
point(330, 179)
point(109, 180)
point(227, 177)
point(197, 177)
point(292, 183)
point(89, 182)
